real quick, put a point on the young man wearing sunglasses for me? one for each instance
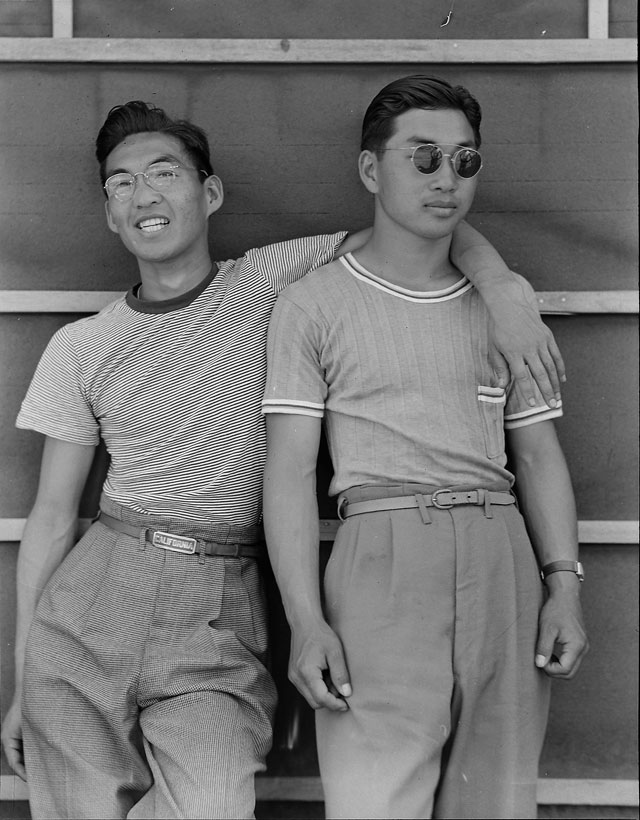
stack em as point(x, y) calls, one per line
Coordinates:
point(429, 652)
point(145, 687)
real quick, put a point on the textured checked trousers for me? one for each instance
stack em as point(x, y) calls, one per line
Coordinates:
point(439, 623)
point(145, 693)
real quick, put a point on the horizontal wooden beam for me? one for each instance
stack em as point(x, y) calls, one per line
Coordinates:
point(56, 301)
point(589, 532)
point(232, 50)
point(588, 301)
point(90, 301)
point(560, 791)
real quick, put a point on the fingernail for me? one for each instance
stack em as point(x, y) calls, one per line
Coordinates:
point(345, 689)
point(552, 402)
point(532, 402)
point(540, 660)
point(563, 378)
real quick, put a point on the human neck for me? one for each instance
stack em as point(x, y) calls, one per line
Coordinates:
point(420, 265)
point(162, 281)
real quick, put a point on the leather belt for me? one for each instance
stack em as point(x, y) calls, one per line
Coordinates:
point(441, 499)
point(181, 543)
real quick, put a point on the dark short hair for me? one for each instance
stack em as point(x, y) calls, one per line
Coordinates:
point(415, 91)
point(137, 117)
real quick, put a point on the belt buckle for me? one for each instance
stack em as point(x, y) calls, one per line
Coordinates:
point(439, 504)
point(175, 543)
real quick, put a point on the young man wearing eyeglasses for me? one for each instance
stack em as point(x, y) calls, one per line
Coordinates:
point(429, 651)
point(145, 687)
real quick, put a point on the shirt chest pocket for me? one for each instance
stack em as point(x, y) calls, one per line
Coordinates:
point(491, 402)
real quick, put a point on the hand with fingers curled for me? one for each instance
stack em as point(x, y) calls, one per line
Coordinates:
point(523, 347)
point(562, 639)
point(318, 669)
point(12, 738)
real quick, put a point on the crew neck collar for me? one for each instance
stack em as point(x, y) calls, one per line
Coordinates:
point(462, 285)
point(169, 305)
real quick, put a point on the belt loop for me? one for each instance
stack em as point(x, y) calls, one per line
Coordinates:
point(142, 540)
point(201, 552)
point(487, 504)
point(422, 506)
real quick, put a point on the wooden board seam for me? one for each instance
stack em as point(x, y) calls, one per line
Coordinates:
point(589, 532)
point(301, 51)
point(558, 791)
point(90, 301)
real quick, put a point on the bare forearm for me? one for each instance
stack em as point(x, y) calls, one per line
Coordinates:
point(547, 501)
point(478, 259)
point(548, 504)
point(47, 538)
point(291, 528)
point(353, 241)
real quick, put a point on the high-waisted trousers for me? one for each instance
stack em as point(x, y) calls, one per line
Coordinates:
point(145, 692)
point(439, 623)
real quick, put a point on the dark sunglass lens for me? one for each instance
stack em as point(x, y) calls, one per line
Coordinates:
point(467, 163)
point(427, 158)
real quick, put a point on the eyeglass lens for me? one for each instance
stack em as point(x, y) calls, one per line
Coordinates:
point(157, 177)
point(466, 161)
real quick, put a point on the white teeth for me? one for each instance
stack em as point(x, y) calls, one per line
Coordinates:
point(152, 225)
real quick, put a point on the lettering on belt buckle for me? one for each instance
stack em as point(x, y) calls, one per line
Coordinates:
point(175, 543)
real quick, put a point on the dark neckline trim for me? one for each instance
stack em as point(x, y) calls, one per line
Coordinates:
point(169, 305)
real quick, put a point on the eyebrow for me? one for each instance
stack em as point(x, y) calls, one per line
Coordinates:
point(164, 158)
point(427, 141)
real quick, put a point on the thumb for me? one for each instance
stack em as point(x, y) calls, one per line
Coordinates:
point(544, 647)
point(339, 673)
point(500, 368)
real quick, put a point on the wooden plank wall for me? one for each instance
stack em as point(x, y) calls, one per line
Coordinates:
point(557, 197)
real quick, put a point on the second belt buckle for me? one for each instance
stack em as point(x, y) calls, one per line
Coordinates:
point(442, 505)
point(175, 543)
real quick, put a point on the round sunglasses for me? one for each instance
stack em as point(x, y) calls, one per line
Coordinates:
point(428, 158)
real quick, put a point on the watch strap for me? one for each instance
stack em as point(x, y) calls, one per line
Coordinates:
point(563, 566)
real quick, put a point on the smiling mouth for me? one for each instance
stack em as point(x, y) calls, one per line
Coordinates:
point(152, 225)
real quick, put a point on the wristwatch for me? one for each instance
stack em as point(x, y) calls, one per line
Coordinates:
point(563, 566)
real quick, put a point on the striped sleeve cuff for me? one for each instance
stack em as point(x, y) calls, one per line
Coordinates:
point(532, 416)
point(295, 408)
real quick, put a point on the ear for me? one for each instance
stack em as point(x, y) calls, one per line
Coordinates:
point(110, 221)
point(368, 169)
point(214, 193)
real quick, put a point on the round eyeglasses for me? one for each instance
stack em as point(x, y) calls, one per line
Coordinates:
point(158, 177)
point(428, 158)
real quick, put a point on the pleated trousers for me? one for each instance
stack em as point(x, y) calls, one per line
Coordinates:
point(439, 623)
point(146, 693)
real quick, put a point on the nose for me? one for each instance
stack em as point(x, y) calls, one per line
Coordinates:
point(143, 193)
point(445, 178)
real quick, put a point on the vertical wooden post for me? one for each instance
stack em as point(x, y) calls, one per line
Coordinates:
point(62, 18)
point(598, 19)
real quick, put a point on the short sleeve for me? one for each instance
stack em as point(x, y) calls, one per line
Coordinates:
point(518, 412)
point(55, 404)
point(295, 382)
point(286, 262)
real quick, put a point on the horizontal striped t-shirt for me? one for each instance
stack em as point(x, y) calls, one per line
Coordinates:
point(174, 388)
point(402, 379)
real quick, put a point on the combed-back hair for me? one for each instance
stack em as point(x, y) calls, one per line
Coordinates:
point(137, 117)
point(415, 91)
